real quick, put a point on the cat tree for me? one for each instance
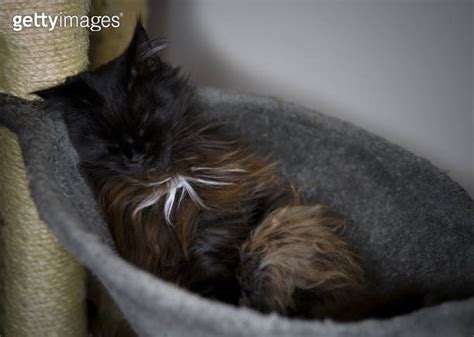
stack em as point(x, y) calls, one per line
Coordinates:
point(42, 287)
point(409, 221)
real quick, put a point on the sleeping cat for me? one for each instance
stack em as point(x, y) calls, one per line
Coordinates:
point(189, 202)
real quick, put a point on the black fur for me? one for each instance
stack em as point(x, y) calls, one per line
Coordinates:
point(133, 119)
point(122, 117)
point(133, 125)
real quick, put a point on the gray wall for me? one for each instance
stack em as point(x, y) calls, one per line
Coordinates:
point(401, 69)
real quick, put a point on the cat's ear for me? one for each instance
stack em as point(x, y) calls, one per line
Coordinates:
point(140, 37)
point(144, 47)
point(120, 71)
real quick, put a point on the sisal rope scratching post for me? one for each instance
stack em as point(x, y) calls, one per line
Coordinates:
point(109, 43)
point(42, 290)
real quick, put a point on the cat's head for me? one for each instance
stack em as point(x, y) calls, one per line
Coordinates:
point(124, 116)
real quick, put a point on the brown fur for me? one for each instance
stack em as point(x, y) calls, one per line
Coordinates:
point(200, 247)
point(309, 270)
point(296, 264)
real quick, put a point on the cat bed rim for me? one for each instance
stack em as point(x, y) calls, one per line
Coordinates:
point(91, 251)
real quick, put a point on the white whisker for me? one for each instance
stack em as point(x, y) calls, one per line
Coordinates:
point(177, 187)
point(159, 183)
point(147, 202)
point(208, 182)
point(181, 197)
point(170, 199)
point(222, 169)
point(192, 193)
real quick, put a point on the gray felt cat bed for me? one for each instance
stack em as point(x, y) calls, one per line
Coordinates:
point(411, 224)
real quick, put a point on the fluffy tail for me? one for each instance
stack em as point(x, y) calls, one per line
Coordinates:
point(297, 264)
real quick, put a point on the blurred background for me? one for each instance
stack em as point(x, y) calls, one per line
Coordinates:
point(400, 69)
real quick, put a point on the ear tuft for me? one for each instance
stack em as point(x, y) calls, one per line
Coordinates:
point(144, 47)
point(150, 48)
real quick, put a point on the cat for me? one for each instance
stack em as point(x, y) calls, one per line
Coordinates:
point(185, 199)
